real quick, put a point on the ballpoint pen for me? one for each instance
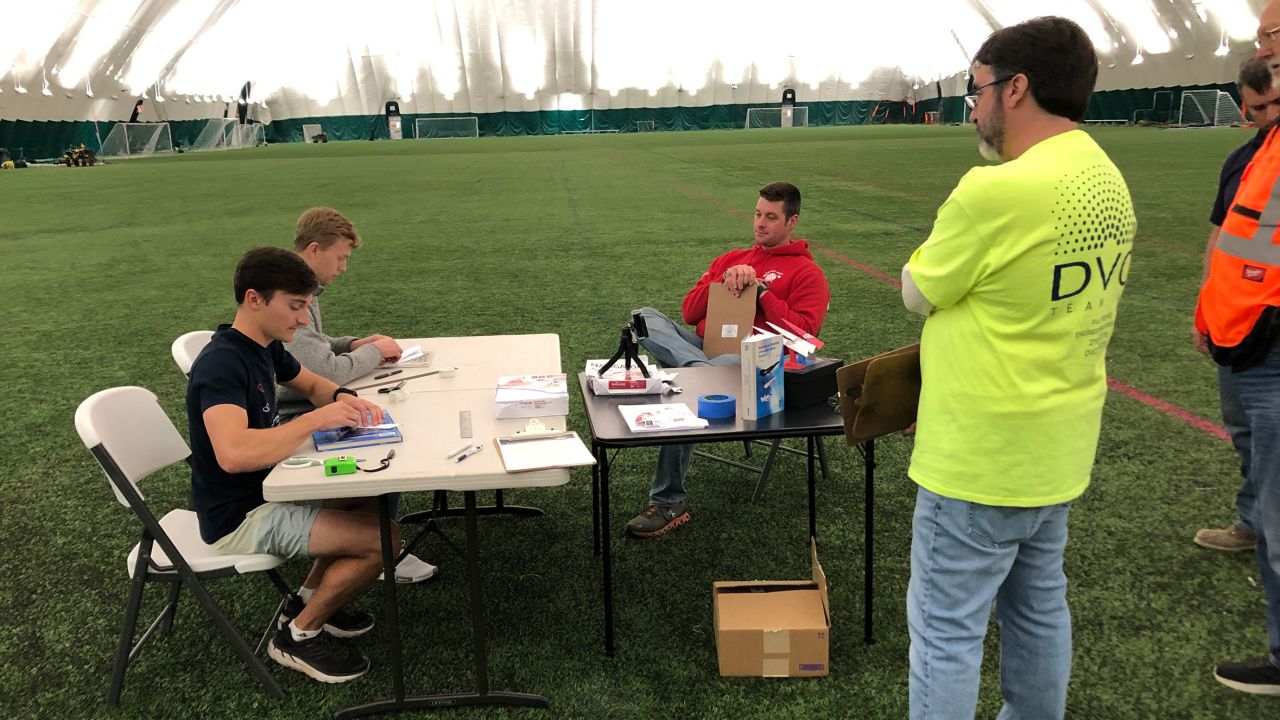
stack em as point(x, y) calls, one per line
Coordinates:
point(475, 449)
point(460, 449)
point(392, 388)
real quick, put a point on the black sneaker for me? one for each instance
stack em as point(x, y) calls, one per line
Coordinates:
point(657, 520)
point(343, 623)
point(1255, 675)
point(322, 657)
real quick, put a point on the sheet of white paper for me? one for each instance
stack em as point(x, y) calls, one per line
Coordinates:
point(560, 450)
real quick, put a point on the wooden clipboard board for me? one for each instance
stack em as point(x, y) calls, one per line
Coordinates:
point(729, 320)
point(880, 395)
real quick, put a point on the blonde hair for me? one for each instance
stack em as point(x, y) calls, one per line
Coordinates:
point(324, 226)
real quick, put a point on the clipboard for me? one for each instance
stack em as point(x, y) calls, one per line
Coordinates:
point(543, 451)
point(880, 395)
point(729, 320)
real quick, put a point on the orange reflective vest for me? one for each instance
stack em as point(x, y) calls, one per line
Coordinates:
point(1244, 268)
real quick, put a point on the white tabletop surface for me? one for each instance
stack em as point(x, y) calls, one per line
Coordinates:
point(429, 422)
point(480, 361)
point(428, 418)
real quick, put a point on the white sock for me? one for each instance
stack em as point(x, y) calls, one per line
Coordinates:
point(305, 593)
point(300, 635)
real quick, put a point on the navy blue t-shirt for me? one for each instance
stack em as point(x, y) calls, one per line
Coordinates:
point(233, 369)
point(1229, 181)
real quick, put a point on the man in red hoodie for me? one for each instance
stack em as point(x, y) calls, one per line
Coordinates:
point(788, 285)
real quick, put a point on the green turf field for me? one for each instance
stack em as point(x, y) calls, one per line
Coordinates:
point(566, 234)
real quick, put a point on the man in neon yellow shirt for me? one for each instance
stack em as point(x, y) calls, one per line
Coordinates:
point(1020, 280)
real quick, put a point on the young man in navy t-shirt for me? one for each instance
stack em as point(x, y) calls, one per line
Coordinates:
point(236, 438)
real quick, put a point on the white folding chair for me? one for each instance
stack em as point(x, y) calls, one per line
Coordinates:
point(187, 347)
point(131, 437)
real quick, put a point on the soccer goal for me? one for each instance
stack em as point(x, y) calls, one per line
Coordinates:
point(137, 140)
point(310, 131)
point(227, 133)
point(645, 126)
point(446, 127)
point(1208, 107)
point(251, 135)
point(217, 134)
point(778, 117)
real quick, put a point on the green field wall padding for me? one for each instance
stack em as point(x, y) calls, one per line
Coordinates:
point(48, 139)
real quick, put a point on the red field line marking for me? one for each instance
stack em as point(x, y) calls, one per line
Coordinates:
point(1169, 409)
point(709, 200)
point(1150, 401)
point(864, 268)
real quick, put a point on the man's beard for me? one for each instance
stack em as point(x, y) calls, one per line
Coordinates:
point(988, 152)
point(991, 142)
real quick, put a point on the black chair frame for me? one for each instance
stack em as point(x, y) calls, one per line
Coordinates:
point(176, 575)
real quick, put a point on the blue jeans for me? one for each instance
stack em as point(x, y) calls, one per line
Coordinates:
point(674, 346)
point(668, 474)
point(1237, 423)
point(1256, 392)
point(964, 557)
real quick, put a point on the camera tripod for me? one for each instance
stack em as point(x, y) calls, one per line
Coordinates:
point(628, 352)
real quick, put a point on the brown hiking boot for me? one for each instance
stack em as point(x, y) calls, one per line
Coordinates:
point(1232, 539)
point(657, 520)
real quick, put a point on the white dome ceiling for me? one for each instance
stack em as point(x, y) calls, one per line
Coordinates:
point(82, 59)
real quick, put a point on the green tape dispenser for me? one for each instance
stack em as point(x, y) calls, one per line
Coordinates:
point(342, 465)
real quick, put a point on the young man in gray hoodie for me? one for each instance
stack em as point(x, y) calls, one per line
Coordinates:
point(324, 240)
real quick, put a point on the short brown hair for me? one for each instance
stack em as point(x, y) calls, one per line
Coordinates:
point(271, 269)
point(786, 192)
point(1056, 56)
point(1255, 75)
point(324, 226)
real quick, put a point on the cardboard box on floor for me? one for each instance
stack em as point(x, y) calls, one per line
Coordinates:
point(729, 320)
point(778, 628)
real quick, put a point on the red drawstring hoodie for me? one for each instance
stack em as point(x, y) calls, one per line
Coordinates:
point(797, 288)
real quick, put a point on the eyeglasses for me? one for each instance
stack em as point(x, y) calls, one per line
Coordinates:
point(1268, 36)
point(971, 100)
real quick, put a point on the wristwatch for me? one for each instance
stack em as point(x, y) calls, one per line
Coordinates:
point(344, 391)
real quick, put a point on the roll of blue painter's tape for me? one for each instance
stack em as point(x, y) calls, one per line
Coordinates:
point(717, 407)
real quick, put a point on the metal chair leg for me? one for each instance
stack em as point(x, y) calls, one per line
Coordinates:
point(171, 607)
point(271, 628)
point(285, 593)
point(131, 607)
point(278, 580)
point(241, 647)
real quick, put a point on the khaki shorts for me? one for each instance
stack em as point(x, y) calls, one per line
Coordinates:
point(275, 528)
